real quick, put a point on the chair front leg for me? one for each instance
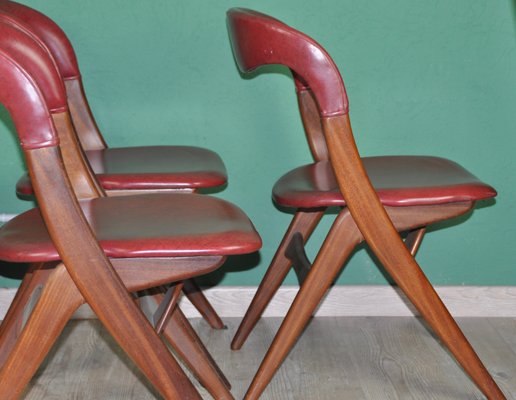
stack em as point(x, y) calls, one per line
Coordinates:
point(411, 279)
point(340, 242)
point(303, 222)
point(190, 348)
point(55, 306)
point(20, 308)
point(119, 313)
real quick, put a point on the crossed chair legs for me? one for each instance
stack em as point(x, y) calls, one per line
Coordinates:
point(48, 290)
point(303, 223)
point(343, 237)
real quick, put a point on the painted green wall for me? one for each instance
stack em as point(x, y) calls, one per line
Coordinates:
point(423, 77)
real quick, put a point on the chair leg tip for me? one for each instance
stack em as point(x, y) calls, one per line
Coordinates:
point(236, 346)
point(219, 327)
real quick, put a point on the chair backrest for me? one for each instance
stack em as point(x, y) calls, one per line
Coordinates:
point(22, 47)
point(257, 40)
point(50, 33)
point(273, 42)
point(45, 30)
point(32, 111)
point(33, 93)
point(311, 120)
point(312, 68)
point(80, 173)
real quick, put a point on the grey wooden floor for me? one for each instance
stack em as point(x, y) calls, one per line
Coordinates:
point(337, 358)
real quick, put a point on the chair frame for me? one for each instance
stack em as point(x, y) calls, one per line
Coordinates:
point(303, 222)
point(257, 40)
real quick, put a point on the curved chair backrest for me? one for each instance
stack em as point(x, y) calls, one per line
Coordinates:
point(51, 36)
point(313, 70)
point(31, 93)
point(18, 45)
point(50, 33)
point(259, 39)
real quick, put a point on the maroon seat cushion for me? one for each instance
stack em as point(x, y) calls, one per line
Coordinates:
point(151, 168)
point(398, 180)
point(150, 225)
point(157, 167)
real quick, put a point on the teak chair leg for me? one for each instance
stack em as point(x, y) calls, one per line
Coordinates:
point(132, 331)
point(21, 297)
point(414, 239)
point(303, 222)
point(201, 303)
point(189, 347)
point(166, 306)
point(59, 299)
point(11, 326)
point(412, 280)
point(186, 343)
point(340, 242)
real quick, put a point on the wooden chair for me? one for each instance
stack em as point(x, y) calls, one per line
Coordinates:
point(378, 196)
point(85, 247)
point(127, 170)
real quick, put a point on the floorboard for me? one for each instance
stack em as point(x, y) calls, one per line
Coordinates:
point(354, 358)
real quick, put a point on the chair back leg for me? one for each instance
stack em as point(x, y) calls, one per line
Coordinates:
point(190, 348)
point(340, 242)
point(303, 222)
point(201, 303)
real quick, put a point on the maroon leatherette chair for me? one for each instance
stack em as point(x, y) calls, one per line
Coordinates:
point(378, 197)
point(127, 170)
point(85, 247)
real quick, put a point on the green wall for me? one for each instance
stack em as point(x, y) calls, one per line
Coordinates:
point(423, 77)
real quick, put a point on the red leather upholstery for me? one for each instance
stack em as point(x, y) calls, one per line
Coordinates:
point(157, 167)
point(31, 88)
point(151, 225)
point(150, 168)
point(398, 180)
point(258, 39)
point(49, 32)
point(36, 61)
